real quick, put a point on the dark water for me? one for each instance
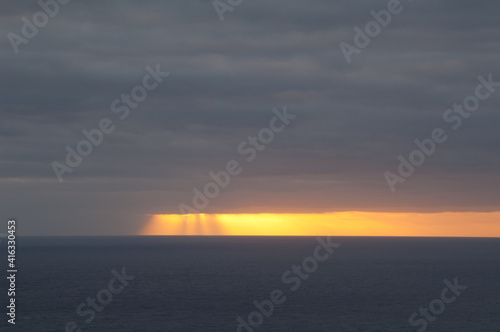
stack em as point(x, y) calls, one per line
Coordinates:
point(205, 283)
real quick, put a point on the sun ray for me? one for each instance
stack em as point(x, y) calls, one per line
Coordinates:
point(466, 224)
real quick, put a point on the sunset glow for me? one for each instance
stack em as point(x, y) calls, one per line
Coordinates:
point(448, 224)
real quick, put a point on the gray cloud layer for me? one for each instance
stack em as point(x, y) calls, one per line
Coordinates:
point(225, 78)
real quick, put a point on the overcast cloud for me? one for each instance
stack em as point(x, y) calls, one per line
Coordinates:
point(353, 120)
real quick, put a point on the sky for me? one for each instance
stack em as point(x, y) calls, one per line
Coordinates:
point(349, 117)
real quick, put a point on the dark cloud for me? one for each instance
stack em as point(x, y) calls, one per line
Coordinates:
point(353, 120)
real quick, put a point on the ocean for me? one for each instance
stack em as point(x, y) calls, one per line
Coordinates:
point(170, 283)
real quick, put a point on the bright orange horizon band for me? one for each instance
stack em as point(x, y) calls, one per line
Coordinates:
point(445, 224)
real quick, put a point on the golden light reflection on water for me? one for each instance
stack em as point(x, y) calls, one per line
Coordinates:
point(468, 224)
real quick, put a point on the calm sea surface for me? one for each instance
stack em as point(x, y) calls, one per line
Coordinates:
point(206, 283)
